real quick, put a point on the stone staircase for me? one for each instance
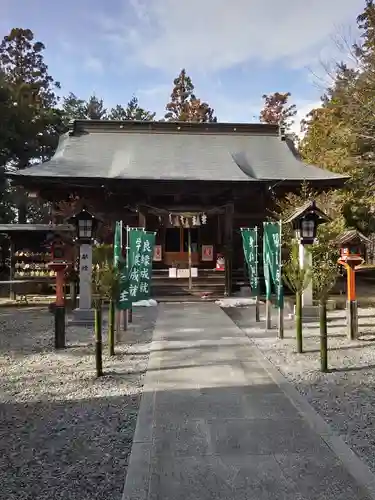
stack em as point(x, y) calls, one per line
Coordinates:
point(209, 285)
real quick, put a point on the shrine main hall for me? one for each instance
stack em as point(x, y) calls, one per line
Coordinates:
point(194, 184)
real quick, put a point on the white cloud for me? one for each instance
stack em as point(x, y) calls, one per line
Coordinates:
point(156, 91)
point(216, 34)
point(93, 64)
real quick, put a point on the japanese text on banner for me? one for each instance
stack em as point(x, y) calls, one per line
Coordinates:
point(145, 268)
point(272, 258)
point(135, 284)
point(250, 247)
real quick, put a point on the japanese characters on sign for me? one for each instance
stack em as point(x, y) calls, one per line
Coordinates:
point(85, 263)
point(135, 284)
point(85, 275)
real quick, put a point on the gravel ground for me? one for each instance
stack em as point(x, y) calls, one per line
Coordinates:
point(63, 433)
point(346, 396)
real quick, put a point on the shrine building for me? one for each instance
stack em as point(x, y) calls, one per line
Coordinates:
point(189, 182)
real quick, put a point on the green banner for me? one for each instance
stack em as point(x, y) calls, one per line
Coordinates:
point(250, 249)
point(128, 286)
point(136, 274)
point(117, 244)
point(272, 259)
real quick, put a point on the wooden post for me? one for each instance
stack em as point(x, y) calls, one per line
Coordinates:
point(257, 312)
point(323, 336)
point(111, 327)
point(189, 258)
point(280, 293)
point(60, 310)
point(280, 300)
point(141, 219)
point(125, 313)
point(351, 305)
point(98, 341)
point(125, 319)
point(118, 325)
point(12, 295)
point(299, 322)
point(281, 323)
point(268, 314)
point(73, 294)
point(229, 210)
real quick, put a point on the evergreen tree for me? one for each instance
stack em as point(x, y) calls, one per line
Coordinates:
point(7, 111)
point(94, 108)
point(74, 108)
point(35, 123)
point(184, 106)
point(132, 112)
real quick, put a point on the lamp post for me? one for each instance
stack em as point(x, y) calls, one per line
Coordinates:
point(307, 233)
point(305, 222)
point(85, 225)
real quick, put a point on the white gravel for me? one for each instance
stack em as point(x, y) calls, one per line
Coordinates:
point(346, 396)
point(63, 433)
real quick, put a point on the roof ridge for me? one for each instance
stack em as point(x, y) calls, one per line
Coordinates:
point(78, 127)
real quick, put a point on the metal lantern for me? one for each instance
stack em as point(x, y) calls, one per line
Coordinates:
point(86, 225)
point(306, 220)
point(308, 226)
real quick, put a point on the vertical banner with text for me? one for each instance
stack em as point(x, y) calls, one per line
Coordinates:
point(272, 259)
point(117, 244)
point(136, 276)
point(250, 249)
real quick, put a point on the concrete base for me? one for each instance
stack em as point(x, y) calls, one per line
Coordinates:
point(309, 313)
point(83, 317)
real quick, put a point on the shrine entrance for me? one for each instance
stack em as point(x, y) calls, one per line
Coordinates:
point(176, 247)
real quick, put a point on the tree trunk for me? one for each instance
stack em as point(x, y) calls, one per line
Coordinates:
point(98, 341)
point(299, 322)
point(323, 336)
point(111, 328)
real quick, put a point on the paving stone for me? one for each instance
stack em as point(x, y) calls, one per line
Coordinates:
point(221, 427)
point(220, 478)
point(320, 476)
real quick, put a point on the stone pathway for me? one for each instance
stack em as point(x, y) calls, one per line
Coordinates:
point(213, 424)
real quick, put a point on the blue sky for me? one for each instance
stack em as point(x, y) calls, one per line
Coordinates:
point(235, 51)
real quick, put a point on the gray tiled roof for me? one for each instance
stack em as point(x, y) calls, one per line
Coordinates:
point(110, 150)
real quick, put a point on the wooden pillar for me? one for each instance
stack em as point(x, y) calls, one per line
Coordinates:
point(228, 242)
point(12, 294)
point(141, 219)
